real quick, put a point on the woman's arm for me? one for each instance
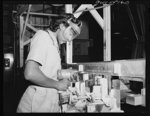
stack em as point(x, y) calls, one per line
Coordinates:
point(35, 75)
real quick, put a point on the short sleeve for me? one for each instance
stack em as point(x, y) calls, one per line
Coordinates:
point(38, 47)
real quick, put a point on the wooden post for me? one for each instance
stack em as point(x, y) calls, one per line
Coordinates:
point(69, 45)
point(21, 37)
point(21, 47)
point(107, 40)
point(107, 33)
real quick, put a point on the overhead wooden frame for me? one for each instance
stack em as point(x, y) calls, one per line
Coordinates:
point(104, 23)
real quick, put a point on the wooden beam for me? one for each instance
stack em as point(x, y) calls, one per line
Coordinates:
point(31, 27)
point(94, 13)
point(96, 16)
point(39, 14)
point(81, 8)
point(27, 42)
point(22, 10)
point(27, 17)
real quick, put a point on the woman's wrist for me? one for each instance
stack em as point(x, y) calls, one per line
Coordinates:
point(56, 86)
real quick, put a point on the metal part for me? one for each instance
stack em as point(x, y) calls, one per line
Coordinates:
point(64, 96)
point(134, 99)
point(8, 61)
point(8, 67)
point(127, 68)
point(70, 74)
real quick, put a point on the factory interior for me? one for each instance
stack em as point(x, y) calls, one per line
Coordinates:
point(108, 58)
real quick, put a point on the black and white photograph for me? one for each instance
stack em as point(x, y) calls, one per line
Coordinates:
point(75, 57)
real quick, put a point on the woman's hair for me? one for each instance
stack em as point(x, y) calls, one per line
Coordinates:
point(54, 24)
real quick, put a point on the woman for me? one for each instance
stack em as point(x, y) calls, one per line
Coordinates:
point(42, 64)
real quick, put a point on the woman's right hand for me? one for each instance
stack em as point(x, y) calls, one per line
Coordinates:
point(63, 85)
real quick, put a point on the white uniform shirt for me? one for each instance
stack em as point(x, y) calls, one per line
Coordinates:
point(44, 50)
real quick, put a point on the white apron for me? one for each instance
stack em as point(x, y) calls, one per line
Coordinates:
point(38, 99)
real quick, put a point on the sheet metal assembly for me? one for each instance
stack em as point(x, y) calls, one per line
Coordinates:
point(107, 85)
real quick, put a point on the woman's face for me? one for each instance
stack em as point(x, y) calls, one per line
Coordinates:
point(68, 33)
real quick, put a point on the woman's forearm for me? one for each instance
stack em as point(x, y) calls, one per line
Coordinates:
point(35, 75)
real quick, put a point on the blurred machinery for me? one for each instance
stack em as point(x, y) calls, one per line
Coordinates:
point(8, 67)
point(101, 86)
